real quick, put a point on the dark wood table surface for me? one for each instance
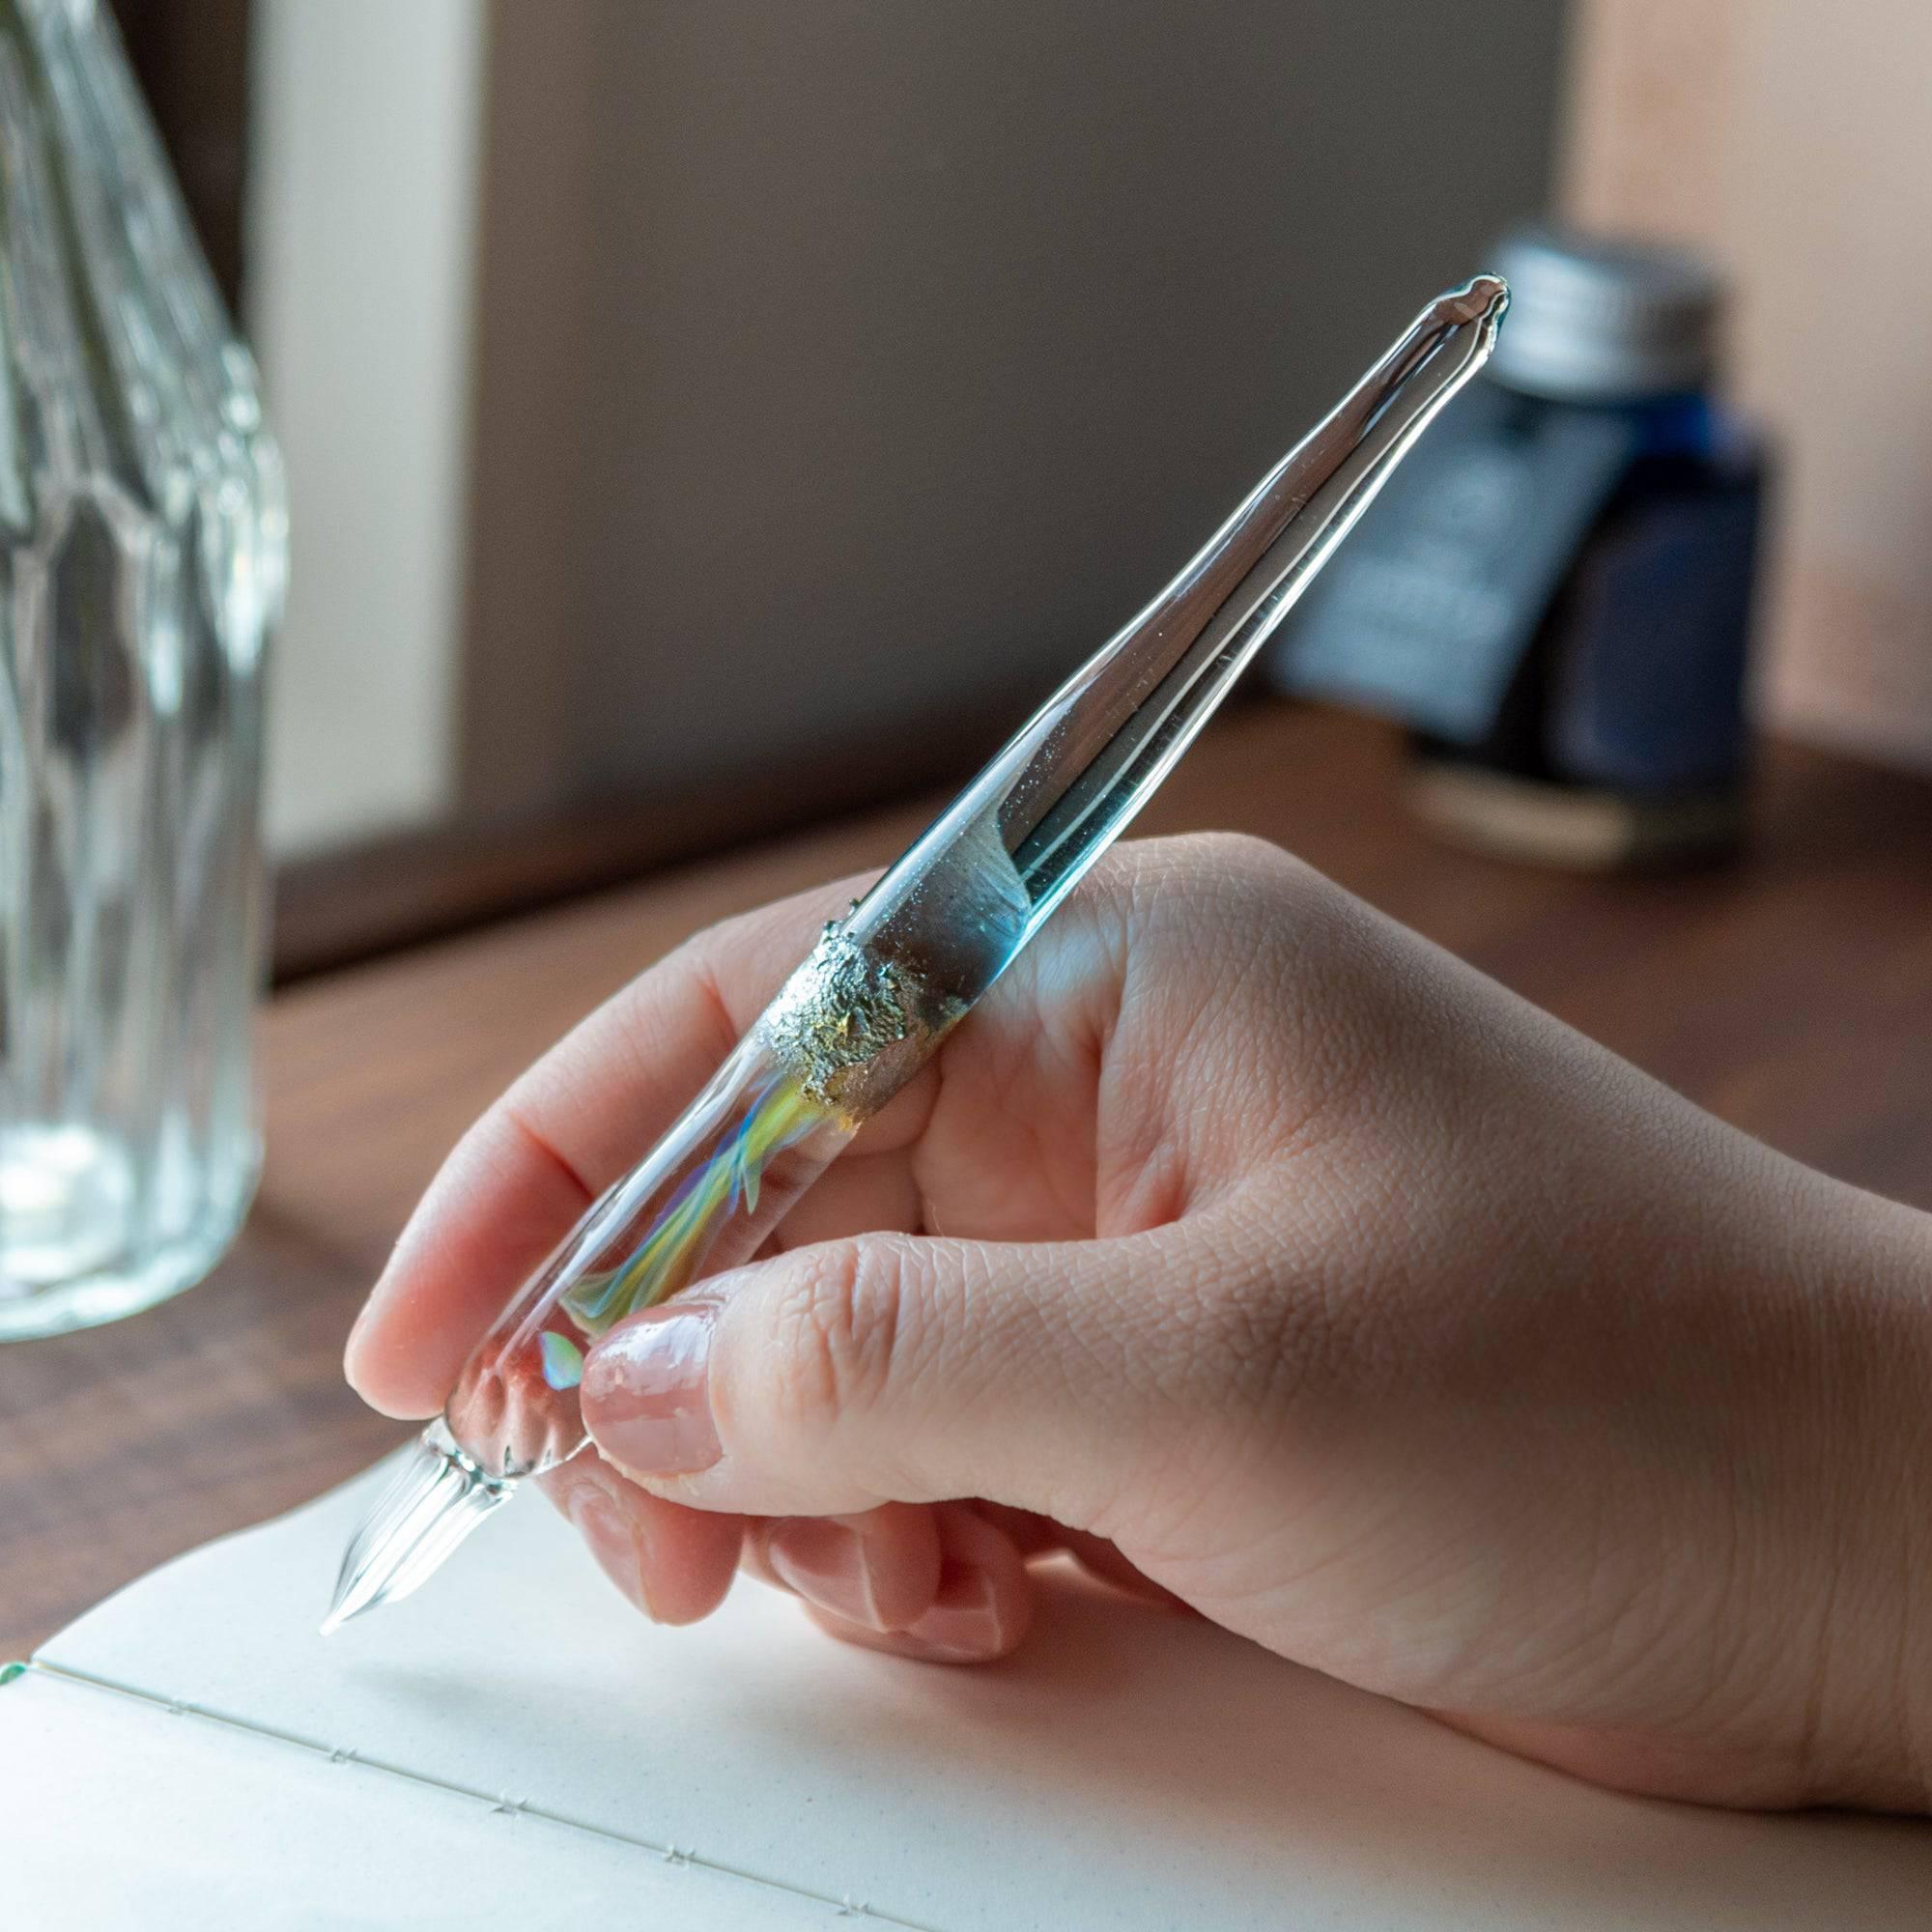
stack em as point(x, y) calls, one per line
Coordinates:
point(1791, 993)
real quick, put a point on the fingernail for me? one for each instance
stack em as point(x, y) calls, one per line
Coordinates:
point(962, 1627)
point(827, 1564)
point(646, 1398)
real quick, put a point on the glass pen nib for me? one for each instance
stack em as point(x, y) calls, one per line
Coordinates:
point(437, 1496)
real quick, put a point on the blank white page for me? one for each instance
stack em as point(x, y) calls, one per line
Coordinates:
point(117, 1816)
point(1128, 1769)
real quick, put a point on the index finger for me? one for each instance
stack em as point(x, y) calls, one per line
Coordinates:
point(570, 1125)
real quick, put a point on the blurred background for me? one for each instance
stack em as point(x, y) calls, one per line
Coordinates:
point(703, 415)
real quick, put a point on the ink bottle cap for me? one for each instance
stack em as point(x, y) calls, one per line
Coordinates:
point(1605, 321)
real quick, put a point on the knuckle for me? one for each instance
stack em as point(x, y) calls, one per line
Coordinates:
point(838, 1327)
point(1239, 854)
point(1140, 871)
point(1240, 891)
point(1226, 900)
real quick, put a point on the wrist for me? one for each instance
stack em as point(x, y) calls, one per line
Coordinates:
point(1873, 1737)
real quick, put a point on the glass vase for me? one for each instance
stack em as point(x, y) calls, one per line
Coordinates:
point(142, 548)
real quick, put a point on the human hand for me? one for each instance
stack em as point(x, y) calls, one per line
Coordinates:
point(1268, 1258)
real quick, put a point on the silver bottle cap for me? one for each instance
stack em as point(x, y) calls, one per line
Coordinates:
point(1594, 321)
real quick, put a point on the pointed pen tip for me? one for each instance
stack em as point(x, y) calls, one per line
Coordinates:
point(355, 1593)
point(338, 1615)
point(1481, 298)
point(435, 1498)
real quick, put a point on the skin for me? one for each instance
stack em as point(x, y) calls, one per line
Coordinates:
point(1272, 1262)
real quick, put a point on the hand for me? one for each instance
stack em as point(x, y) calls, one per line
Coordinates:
point(1268, 1258)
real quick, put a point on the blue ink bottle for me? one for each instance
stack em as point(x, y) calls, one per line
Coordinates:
point(1556, 598)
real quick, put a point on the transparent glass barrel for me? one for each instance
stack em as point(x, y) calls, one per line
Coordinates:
point(142, 543)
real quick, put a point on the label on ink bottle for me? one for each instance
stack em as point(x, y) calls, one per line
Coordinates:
point(1428, 609)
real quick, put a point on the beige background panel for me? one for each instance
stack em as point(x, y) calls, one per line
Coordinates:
point(1643, 148)
point(1796, 151)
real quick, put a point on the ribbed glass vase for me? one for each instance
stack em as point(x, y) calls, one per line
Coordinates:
point(142, 546)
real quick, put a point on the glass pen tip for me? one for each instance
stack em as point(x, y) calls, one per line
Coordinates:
point(437, 1496)
point(354, 1591)
point(1482, 299)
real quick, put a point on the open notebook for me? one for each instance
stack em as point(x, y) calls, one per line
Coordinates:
point(514, 1746)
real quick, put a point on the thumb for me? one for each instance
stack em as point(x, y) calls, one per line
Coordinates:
point(900, 1368)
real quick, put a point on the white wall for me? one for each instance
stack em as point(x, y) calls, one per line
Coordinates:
point(362, 226)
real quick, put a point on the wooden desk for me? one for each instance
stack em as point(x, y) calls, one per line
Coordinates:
point(1791, 994)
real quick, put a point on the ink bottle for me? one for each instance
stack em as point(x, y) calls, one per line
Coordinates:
point(1555, 595)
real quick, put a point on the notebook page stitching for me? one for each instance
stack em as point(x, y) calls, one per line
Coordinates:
point(502, 1804)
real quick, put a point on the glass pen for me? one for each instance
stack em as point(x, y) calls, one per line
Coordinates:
point(871, 1001)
